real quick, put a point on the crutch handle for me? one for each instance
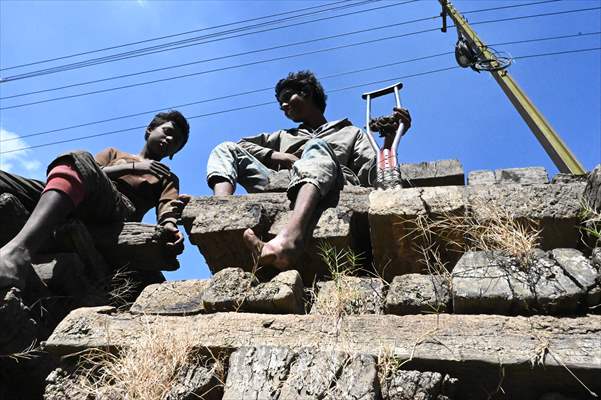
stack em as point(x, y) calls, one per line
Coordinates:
point(382, 92)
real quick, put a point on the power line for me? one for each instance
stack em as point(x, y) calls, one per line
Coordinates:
point(223, 97)
point(272, 102)
point(579, 35)
point(138, 53)
point(286, 45)
point(235, 23)
point(180, 34)
point(295, 55)
point(215, 70)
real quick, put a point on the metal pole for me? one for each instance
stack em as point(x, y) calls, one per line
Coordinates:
point(557, 150)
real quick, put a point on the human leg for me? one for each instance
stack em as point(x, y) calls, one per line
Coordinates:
point(313, 176)
point(229, 164)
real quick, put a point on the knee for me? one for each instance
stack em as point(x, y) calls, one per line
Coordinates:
point(316, 143)
point(226, 146)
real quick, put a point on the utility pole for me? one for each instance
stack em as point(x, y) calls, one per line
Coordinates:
point(542, 129)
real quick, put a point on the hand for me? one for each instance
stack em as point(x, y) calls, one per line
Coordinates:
point(177, 245)
point(177, 206)
point(402, 115)
point(283, 160)
point(155, 168)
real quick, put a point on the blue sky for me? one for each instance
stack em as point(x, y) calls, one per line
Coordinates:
point(456, 113)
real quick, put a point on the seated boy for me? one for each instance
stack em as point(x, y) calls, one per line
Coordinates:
point(321, 155)
point(114, 186)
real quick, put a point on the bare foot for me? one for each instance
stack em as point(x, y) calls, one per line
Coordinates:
point(15, 267)
point(280, 252)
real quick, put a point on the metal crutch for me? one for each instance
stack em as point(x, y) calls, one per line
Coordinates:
point(388, 173)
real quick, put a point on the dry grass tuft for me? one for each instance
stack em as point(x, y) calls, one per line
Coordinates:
point(346, 298)
point(144, 371)
point(492, 228)
point(591, 222)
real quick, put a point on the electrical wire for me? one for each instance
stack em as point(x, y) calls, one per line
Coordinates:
point(272, 102)
point(286, 45)
point(178, 34)
point(124, 56)
point(395, 63)
point(287, 57)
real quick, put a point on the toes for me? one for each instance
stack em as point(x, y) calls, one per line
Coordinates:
point(252, 241)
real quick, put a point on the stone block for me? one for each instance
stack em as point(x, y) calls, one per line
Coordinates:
point(394, 217)
point(19, 329)
point(172, 298)
point(418, 293)
point(64, 274)
point(279, 372)
point(481, 285)
point(278, 181)
point(216, 225)
point(554, 209)
point(412, 385)
point(349, 296)
point(481, 177)
point(569, 178)
point(232, 289)
point(13, 216)
point(592, 192)
point(467, 347)
point(196, 381)
point(580, 270)
point(432, 173)
point(489, 282)
point(141, 246)
point(522, 176)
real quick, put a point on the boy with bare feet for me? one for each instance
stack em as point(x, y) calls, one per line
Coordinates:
point(113, 186)
point(321, 157)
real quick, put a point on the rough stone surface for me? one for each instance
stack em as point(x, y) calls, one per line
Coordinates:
point(553, 208)
point(137, 245)
point(232, 289)
point(216, 224)
point(279, 372)
point(12, 217)
point(19, 329)
point(416, 385)
point(456, 345)
point(62, 385)
point(561, 281)
point(278, 181)
point(481, 177)
point(64, 274)
point(581, 271)
point(196, 382)
point(350, 295)
point(522, 176)
point(592, 192)
point(418, 293)
point(392, 215)
point(432, 173)
point(568, 178)
point(172, 298)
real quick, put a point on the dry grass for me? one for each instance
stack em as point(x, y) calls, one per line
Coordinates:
point(492, 228)
point(146, 370)
point(345, 298)
point(590, 223)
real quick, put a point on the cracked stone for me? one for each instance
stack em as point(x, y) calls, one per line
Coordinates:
point(418, 293)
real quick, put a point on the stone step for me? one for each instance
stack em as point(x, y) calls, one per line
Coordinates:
point(216, 224)
point(532, 355)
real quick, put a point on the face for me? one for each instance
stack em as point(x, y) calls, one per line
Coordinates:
point(293, 104)
point(164, 140)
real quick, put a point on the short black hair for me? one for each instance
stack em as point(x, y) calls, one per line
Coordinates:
point(178, 120)
point(306, 83)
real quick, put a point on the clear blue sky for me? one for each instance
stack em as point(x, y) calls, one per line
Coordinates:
point(456, 114)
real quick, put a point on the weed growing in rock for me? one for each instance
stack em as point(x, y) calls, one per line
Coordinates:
point(345, 299)
point(488, 226)
point(590, 224)
point(147, 370)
